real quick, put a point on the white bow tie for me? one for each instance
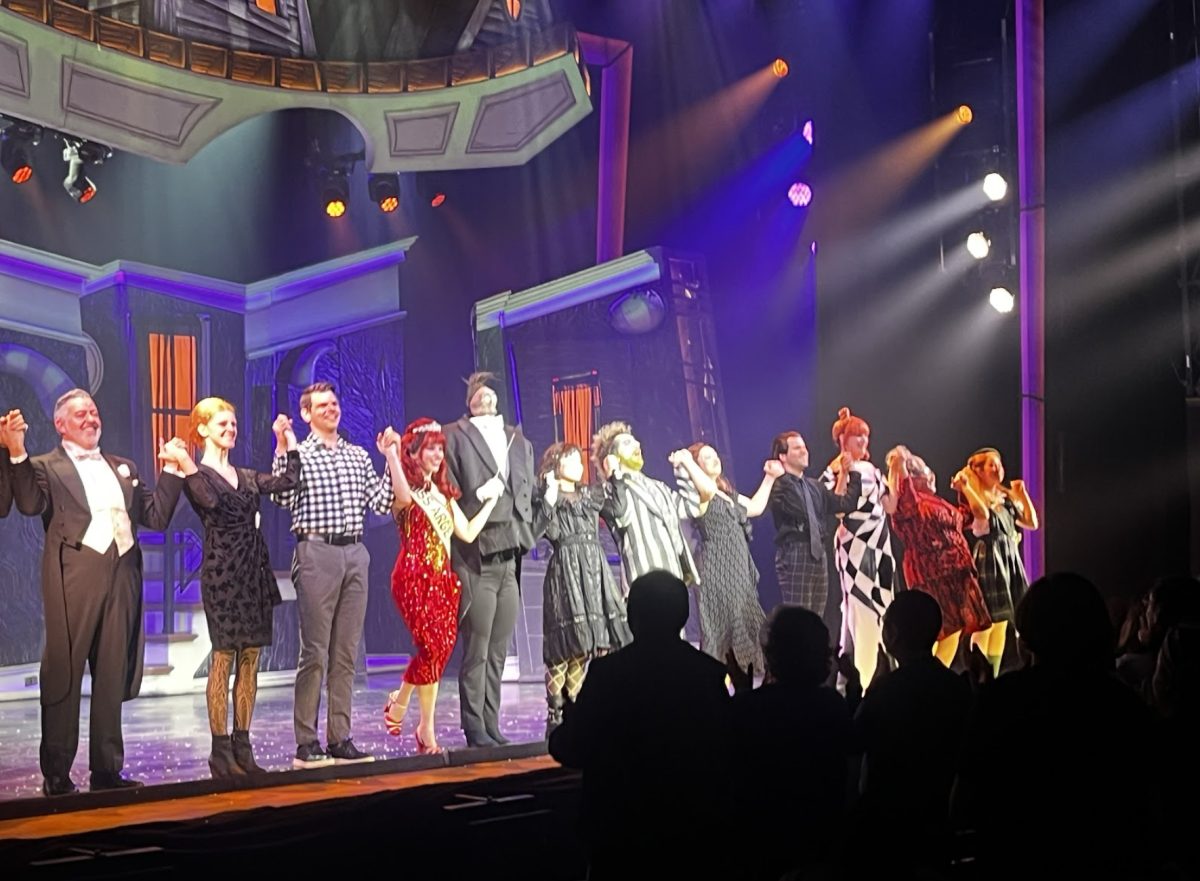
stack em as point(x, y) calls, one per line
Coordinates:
point(87, 455)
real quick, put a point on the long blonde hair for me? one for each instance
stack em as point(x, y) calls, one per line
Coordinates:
point(202, 413)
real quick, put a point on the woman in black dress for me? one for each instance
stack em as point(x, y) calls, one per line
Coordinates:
point(731, 615)
point(995, 514)
point(583, 612)
point(236, 581)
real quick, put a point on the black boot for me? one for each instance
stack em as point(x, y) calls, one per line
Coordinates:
point(222, 763)
point(243, 753)
point(553, 719)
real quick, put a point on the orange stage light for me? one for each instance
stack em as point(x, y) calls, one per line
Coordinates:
point(780, 68)
point(964, 115)
point(437, 200)
point(22, 174)
point(335, 207)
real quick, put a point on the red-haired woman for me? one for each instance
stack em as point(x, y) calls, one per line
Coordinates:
point(731, 616)
point(425, 588)
point(237, 583)
point(865, 563)
point(996, 514)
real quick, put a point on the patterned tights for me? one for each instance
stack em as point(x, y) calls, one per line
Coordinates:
point(569, 676)
point(245, 689)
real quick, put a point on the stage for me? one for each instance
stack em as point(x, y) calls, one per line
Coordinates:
point(167, 743)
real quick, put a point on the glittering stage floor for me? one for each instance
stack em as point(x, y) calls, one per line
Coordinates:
point(167, 743)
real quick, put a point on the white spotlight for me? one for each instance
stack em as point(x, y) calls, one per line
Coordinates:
point(1001, 299)
point(978, 245)
point(995, 187)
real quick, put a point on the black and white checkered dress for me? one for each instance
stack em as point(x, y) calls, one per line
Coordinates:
point(863, 544)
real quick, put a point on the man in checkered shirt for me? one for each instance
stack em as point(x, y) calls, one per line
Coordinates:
point(338, 484)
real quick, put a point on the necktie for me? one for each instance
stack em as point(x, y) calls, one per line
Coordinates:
point(814, 525)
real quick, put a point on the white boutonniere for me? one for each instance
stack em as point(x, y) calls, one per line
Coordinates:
point(135, 482)
point(123, 470)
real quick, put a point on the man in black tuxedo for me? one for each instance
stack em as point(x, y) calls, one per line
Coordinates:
point(482, 450)
point(5, 469)
point(91, 505)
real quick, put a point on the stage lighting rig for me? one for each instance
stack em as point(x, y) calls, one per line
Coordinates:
point(16, 149)
point(78, 154)
point(995, 187)
point(334, 172)
point(384, 190)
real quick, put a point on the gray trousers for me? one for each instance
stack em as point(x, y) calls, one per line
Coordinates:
point(485, 630)
point(331, 592)
point(101, 593)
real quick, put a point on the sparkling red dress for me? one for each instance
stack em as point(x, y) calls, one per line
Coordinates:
point(425, 588)
point(937, 558)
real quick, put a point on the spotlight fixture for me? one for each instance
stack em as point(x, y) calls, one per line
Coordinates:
point(964, 114)
point(780, 68)
point(384, 190)
point(334, 172)
point(978, 245)
point(438, 199)
point(1002, 300)
point(79, 154)
point(16, 148)
point(800, 194)
point(995, 187)
point(807, 131)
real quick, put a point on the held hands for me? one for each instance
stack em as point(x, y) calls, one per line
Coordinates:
point(175, 453)
point(959, 481)
point(773, 468)
point(388, 440)
point(491, 490)
point(612, 465)
point(12, 432)
point(285, 437)
point(679, 458)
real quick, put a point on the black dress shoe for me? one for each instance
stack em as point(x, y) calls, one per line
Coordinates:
point(477, 739)
point(52, 786)
point(498, 738)
point(102, 780)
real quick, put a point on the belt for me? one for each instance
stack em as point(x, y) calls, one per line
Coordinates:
point(501, 556)
point(330, 538)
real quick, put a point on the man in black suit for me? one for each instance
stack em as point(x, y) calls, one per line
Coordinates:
point(91, 505)
point(482, 450)
point(5, 469)
point(648, 732)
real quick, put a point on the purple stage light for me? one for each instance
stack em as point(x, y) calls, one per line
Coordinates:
point(800, 194)
point(807, 131)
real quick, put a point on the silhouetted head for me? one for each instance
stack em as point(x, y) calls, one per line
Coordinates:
point(911, 626)
point(796, 648)
point(1173, 600)
point(1063, 622)
point(658, 606)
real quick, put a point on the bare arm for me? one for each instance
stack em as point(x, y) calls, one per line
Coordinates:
point(401, 491)
point(468, 530)
point(706, 487)
point(979, 508)
point(1027, 517)
point(756, 504)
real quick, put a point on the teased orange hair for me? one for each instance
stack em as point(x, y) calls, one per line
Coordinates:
point(847, 423)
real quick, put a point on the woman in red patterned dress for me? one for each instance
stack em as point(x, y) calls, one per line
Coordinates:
point(937, 559)
point(425, 588)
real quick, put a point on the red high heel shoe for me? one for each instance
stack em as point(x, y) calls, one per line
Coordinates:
point(427, 749)
point(393, 714)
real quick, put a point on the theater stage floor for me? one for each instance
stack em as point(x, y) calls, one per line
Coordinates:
point(167, 740)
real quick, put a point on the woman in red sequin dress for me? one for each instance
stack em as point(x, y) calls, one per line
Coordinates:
point(937, 559)
point(425, 588)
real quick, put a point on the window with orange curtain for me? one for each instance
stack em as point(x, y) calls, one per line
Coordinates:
point(267, 6)
point(172, 386)
point(576, 405)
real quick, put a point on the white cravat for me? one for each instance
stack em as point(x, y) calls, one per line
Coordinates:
point(110, 520)
point(492, 429)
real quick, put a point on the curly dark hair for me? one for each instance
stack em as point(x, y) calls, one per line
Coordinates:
point(602, 441)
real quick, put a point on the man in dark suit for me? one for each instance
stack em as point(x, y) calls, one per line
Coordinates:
point(482, 450)
point(91, 505)
point(648, 732)
point(5, 469)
